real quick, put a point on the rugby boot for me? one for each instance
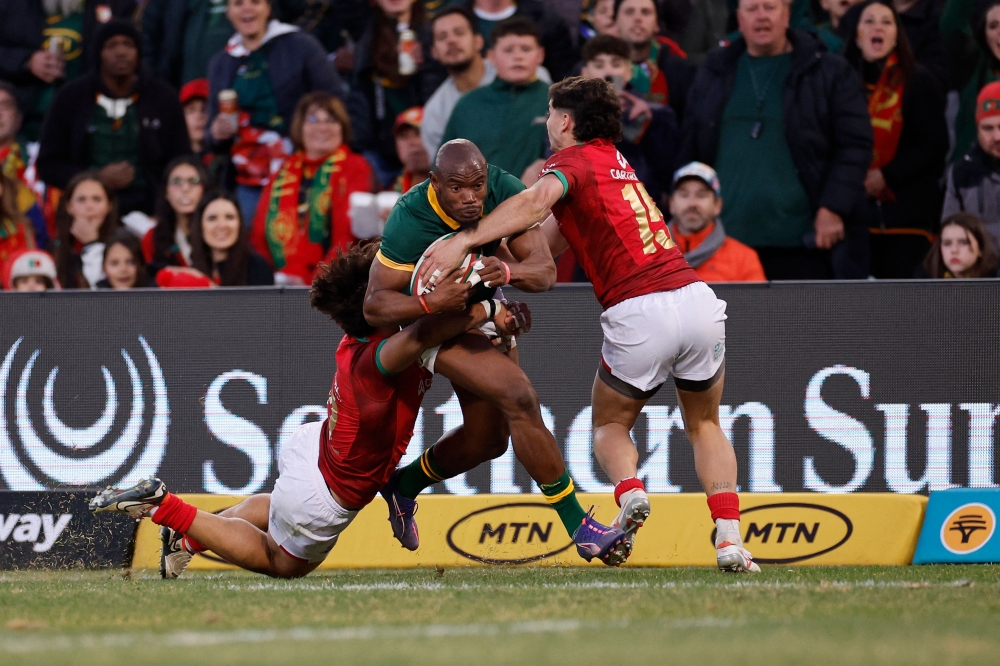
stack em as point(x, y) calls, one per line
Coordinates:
point(634, 513)
point(401, 513)
point(173, 558)
point(136, 501)
point(734, 557)
point(608, 544)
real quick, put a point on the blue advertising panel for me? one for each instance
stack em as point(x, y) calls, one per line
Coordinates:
point(960, 527)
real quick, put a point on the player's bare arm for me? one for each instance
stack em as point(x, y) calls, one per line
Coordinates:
point(405, 347)
point(524, 261)
point(511, 217)
point(387, 304)
point(553, 236)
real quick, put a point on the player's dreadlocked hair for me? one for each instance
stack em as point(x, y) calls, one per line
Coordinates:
point(338, 290)
point(594, 105)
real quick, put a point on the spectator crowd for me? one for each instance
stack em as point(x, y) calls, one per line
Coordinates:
point(200, 143)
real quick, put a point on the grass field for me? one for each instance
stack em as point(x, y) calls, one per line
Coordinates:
point(831, 615)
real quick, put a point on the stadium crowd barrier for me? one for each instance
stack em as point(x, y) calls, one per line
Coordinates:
point(830, 388)
point(787, 529)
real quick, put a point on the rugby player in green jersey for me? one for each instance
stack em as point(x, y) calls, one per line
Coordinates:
point(496, 397)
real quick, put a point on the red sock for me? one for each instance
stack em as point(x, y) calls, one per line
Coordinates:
point(626, 485)
point(725, 506)
point(192, 546)
point(175, 513)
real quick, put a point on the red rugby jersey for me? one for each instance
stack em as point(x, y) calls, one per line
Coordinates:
point(617, 233)
point(370, 418)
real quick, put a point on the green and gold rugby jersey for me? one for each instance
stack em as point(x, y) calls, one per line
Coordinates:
point(417, 220)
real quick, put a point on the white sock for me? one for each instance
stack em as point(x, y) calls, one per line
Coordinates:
point(629, 494)
point(727, 530)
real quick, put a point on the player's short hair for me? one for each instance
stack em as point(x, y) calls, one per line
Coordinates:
point(464, 12)
point(594, 106)
point(338, 290)
point(515, 25)
point(606, 45)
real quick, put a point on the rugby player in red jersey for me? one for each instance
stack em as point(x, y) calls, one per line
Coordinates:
point(327, 471)
point(659, 318)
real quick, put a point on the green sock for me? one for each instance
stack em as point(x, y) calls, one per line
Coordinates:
point(561, 494)
point(419, 474)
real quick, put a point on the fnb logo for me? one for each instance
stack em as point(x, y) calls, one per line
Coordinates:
point(500, 531)
point(515, 533)
point(968, 528)
point(788, 532)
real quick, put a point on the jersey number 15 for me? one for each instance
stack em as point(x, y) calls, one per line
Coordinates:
point(640, 201)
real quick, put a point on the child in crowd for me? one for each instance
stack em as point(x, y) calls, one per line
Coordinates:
point(963, 250)
point(29, 270)
point(124, 266)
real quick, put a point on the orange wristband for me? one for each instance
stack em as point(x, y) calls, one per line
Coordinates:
point(423, 303)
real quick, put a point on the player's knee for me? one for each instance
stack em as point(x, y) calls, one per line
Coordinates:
point(497, 446)
point(520, 399)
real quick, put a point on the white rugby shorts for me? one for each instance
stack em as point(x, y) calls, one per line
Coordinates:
point(649, 338)
point(304, 518)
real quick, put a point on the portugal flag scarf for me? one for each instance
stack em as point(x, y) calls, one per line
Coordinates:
point(12, 162)
point(283, 221)
point(885, 106)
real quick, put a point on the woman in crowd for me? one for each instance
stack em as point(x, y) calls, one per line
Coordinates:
point(906, 105)
point(87, 216)
point(303, 214)
point(220, 248)
point(124, 266)
point(963, 250)
point(267, 82)
point(16, 232)
point(971, 33)
point(390, 75)
point(168, 243)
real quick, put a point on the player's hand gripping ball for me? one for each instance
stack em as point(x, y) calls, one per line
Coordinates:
point(467, 272)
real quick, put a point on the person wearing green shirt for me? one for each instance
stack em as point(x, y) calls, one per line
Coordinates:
point(506, 119)
point(496, 397)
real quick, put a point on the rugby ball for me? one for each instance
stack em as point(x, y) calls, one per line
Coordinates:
point(469, 273)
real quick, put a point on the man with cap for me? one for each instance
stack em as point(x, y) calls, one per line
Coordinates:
point(124, 125)
point(30, 270)
point(974, 181)
point(695, 205)
point(411, 150)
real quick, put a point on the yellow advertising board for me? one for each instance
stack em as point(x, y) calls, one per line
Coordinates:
point(780, 529)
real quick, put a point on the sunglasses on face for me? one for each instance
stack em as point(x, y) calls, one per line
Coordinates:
point(177, 181)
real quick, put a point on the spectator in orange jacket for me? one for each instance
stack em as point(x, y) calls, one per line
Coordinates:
point(302, 216)
point(695, 206)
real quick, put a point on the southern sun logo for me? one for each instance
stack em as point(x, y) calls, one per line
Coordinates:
point(32, 458)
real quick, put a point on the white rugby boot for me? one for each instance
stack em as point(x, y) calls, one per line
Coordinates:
point(634, 512)
point(729, 551)
point(173, 557)
point(137, 501)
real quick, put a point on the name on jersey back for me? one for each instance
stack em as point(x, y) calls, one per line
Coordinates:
point(619, 174)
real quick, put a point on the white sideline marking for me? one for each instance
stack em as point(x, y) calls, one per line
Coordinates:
point(582, 585)
point(66, 642)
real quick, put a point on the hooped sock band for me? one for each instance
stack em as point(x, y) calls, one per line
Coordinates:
point(625, 485)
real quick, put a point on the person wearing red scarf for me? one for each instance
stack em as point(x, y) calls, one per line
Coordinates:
point(302, 216)
point(906, 106)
